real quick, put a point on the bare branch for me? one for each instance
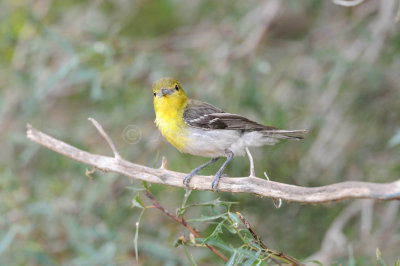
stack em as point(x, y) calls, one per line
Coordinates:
point(253, 185)
point(107, 138)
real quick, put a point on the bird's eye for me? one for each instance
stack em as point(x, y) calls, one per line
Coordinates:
point(176, 87)
point(154, 94)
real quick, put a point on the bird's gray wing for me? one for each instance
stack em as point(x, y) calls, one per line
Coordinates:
point(203, 115)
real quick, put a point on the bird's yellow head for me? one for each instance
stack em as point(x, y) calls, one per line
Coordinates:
point(169, 96)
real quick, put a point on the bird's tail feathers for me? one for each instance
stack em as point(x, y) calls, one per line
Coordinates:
point(286, 134)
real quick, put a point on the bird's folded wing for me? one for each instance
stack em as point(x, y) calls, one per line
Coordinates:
point(203, 115)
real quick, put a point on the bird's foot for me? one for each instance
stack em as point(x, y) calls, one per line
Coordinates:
point(187, 178)
point(215, 182)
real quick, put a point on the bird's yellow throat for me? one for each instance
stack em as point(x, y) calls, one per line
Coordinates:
point(169, 117)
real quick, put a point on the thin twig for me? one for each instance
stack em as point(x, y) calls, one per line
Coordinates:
point(264, 246)
point(106, 137)
point(163, 163)
point(252, 170)
point(182, 222)
point(186, 197)
point(257, 186)
point(248, 227)
point(276, 204)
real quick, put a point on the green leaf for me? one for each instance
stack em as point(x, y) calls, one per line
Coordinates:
point(240, 259)
point(379, 258)
point(180, 212)
point(214, 203)
point(250, 261)
point(232, 259)
point(234, 218)
point(145, 185)
point(231, 228)
point(189, 256)
point(135, 240)
point(206, 218)
point(219, 243)
point(351, 261)
point(137, 201)
point(215, 233)
point(247, 253)
point(254, 244)
point(259, 262)
point(317, 262)
point(246, 234)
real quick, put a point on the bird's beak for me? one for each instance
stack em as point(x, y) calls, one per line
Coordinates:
point(164, 91)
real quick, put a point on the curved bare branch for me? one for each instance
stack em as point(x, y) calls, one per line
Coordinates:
point(253, 185)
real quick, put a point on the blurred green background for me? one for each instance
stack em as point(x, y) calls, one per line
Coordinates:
point(292, 64)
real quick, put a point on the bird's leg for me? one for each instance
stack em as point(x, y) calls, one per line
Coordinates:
point(215, 181)
point(187, 178)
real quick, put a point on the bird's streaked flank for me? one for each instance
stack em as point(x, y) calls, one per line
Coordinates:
point(202, 129)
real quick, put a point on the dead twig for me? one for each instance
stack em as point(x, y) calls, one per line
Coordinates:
point(252, 171)
point(106, 137)
point(163, 163)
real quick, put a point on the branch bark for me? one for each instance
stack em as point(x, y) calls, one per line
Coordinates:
point(253, 185)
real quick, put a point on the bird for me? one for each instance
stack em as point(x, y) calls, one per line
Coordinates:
point(201, 129)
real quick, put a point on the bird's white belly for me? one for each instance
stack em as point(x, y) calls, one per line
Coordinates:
point(210, 143)
point(215, 143)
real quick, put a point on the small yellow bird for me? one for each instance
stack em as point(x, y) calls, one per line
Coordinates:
point(202, 129)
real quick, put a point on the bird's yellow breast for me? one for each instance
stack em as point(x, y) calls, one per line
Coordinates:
point(169, 120)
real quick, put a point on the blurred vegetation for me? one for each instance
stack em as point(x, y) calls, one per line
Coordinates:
point(291, 64)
